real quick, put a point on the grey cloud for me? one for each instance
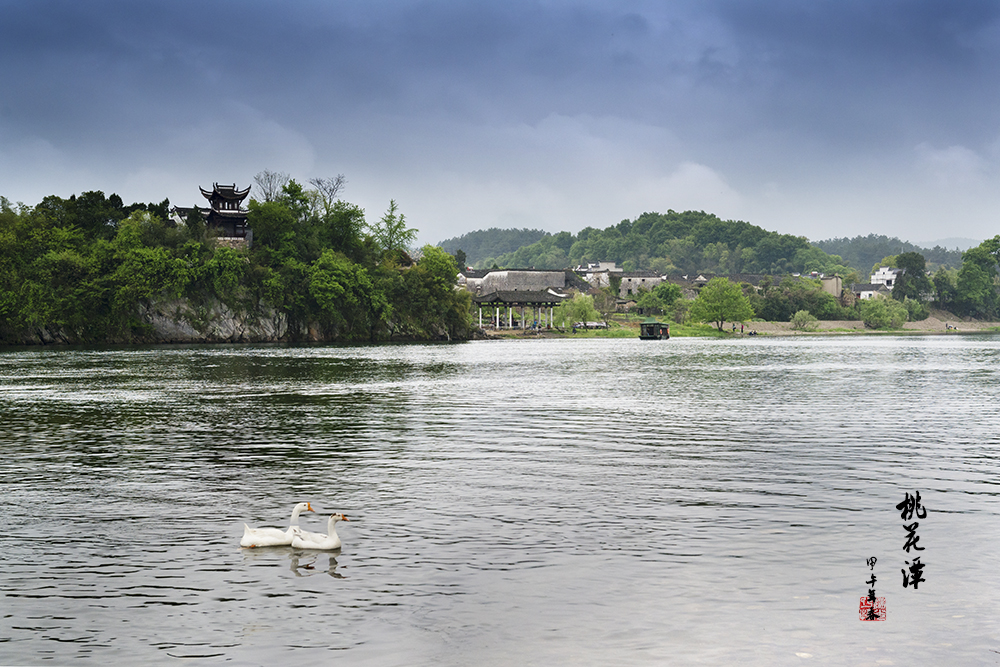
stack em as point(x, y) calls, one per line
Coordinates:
point(798, 94)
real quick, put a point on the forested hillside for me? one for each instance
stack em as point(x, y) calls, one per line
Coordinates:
point(86, 266)
point(486, 243)
point(675, 243)
point(864, 252)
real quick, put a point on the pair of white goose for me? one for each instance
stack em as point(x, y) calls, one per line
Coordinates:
point(294, 537)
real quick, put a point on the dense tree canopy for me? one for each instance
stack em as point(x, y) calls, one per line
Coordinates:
point(778, 303)
point(486, 243)
point(862, 252)
point(86, 265)
point(674, 243)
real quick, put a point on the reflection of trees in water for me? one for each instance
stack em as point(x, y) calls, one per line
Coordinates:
point(303, 564)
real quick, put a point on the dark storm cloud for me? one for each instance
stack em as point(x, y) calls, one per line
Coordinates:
point(874, 65)
point(499, 99)
point(517, 58)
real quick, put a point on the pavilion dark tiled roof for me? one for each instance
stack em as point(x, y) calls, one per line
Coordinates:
point(518, 297)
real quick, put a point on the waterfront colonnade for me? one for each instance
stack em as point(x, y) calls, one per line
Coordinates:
point(501, 305)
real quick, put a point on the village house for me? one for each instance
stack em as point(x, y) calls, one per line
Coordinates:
point(870, 291)
point(886, 276)
point(599, 274)
point(833, 285)
point(633, 281)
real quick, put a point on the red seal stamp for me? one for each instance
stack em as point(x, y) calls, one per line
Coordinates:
point(872, 612)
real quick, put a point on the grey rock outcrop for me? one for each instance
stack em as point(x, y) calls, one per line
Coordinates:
point(180, 321)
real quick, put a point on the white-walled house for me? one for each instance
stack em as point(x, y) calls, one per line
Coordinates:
point(633, 281)
point(886, 276)
point(599, 274)
point(865, 292)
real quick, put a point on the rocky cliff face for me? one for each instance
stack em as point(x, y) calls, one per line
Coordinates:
point(181, 322)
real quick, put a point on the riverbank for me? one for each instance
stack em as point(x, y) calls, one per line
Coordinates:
point(939, 322)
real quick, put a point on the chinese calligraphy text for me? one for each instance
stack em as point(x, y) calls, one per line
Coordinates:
point(913, 574)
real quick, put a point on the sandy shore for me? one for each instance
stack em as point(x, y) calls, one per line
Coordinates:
point(936, 323)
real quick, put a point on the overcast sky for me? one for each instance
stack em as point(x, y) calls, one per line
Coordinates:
point(811, 117)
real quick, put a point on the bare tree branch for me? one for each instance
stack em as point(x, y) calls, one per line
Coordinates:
point(270, 183)
point(329, 187)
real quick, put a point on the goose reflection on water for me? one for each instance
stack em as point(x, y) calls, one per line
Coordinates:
point(296, 565)
point(302, 562)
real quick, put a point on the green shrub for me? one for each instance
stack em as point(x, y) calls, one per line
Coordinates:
point(882, 313)
point(803, 321)
point(916, 310)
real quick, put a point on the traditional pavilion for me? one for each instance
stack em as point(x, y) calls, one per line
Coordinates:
point(506, 302)
point(225, 216)
point(227, 213)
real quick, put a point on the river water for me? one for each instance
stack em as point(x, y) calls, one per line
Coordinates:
point(689, 502)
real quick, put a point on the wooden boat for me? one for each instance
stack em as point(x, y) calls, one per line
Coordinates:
point(650, 329)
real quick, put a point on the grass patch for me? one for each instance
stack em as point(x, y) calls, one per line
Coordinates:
point(697, 330)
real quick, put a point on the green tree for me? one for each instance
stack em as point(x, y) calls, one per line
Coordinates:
point(721, 301)
point(273, 225)
point(913, 283)
point(606, 300)
point(224, 272)
point(681, 309)
point(344, 292)
point(425, 302)
point(976, 285)
point(660, 299)
point(945, 288)
point(578, 309)
point(391, 233)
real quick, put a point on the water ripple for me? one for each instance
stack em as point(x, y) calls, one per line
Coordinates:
point(585, 502)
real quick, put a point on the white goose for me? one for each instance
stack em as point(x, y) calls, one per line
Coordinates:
point(302, 539)
point(274, 537)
